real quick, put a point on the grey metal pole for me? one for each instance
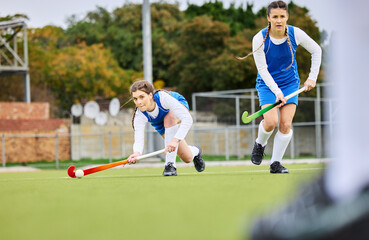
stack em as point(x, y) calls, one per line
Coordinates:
point(57, 151)
point(27, 84)
point(27, 88)
point(102, 138)
point(238, 116)
point(110, 158)
point(253, 122)
point(3, 146)
point(15, 47)
point(79, 142)
point(72, 148)
point(147, 57)
point(318, 126)
point(226, 143)
point(146, 35)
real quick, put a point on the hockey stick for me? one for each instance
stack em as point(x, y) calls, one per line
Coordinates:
point(247, 119)
point(88, 171)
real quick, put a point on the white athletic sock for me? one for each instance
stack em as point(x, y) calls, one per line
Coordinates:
point(263, 135)
point(169, 135)
point(281, 142)
point(194, 151)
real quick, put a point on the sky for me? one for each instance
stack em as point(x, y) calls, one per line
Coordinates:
point(56, 12)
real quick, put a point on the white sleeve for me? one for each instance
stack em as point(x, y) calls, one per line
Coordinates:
point(261, 64)
point(139, 124)
point(313, 48)
point(169, 102)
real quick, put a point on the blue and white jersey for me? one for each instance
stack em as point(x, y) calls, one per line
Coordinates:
point(165, 102)
point(279, 58)
point(274, 57)
point(158, 121)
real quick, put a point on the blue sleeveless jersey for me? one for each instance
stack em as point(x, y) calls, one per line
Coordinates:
point(158, 122)
point(278, 58)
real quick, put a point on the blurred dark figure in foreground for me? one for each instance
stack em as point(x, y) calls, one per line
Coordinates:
point(336, 205)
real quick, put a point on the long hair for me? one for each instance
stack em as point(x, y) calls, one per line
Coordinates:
point(143, 86)
point(273, 5)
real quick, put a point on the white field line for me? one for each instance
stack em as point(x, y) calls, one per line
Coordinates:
point(144, 164)
point(209, 173)
point(156, 175)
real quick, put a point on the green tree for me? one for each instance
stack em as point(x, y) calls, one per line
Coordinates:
point(201, 40)
point(87, 72)
point(73, 73)
point(43, 44)
point(236, 18)
point(121, 31)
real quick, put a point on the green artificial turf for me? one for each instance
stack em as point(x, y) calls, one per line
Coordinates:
point(137, 203)
point(86, 161)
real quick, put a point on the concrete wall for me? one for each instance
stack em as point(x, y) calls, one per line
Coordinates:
point(30, 136)
point(91, 141)
point(27, 133)
point(214, 142)
point(31, 148)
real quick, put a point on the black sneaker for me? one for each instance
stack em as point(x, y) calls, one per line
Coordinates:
point(257, 154)
point(313, 215)
point(277, 167)
point(170, 170)
point(198, 161)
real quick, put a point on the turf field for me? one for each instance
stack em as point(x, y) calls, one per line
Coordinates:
point(139, 203)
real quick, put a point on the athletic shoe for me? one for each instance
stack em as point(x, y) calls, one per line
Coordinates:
point(257, 154)
point(198, 161)
point(277, 167)
point(313, 215)
point(170, 170)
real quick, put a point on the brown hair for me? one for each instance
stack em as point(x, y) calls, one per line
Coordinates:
point(273, 5)
point(144, 86)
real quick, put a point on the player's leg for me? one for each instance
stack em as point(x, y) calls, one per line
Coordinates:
point(265, 130)
point(171, 128)
point(185, 152)
point(282, 138)
point(188, 153)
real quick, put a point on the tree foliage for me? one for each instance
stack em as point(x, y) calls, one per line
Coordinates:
point(75, 72)
point(236, 18)
point(193, 50)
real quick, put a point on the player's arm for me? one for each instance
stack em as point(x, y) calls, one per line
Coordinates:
point(316, 56)
point(139, 124)
point(261, 64)
point(181, 112)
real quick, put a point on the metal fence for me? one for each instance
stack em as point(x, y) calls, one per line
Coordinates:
point(216, 134)
point(224, 109)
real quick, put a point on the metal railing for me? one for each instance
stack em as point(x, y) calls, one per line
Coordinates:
point(215, 138)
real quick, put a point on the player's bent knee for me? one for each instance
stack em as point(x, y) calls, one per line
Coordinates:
point(186, 160)
point(284, 127)
point(270, 124)
point(185, 157)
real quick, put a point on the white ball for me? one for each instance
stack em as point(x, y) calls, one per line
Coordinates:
point(79, 173)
